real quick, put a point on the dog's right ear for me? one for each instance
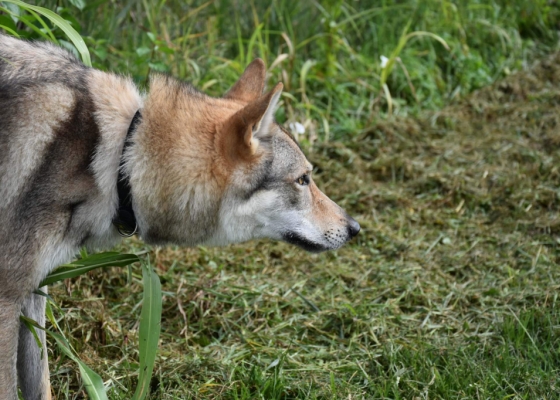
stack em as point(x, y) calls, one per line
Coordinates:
point(244, 129)
point(250, 85)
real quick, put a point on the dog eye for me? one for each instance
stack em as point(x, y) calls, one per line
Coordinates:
point(303, 180)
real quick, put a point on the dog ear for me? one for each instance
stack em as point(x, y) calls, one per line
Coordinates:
point(258, 115)
point(243, 130)
point(251, 83)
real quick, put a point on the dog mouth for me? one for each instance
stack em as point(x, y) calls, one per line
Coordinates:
point(332, 239)
point(304, 243)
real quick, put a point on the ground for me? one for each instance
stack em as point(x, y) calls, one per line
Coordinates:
point(449, 292)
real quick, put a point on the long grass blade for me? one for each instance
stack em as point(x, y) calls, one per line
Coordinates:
point(9, 30)
point(31, 324)
point(80, 267)
point(62, 24)
point(92, 382)
point(150, 327)
point(27, 23)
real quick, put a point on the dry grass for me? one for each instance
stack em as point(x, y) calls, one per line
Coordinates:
point(450, 291)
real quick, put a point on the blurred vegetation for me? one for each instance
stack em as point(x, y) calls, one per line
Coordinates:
point(451, 289)
point(327, 53)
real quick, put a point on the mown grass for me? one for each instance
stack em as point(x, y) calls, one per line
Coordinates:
point(451, 289)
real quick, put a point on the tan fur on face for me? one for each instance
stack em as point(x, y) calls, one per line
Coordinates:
point(238, 136)
point(187, 149)
point(179, 175)
point(197, 159)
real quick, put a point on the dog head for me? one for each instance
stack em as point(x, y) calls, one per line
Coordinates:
point(220, 171)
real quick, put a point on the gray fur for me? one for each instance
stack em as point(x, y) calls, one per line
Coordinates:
point(48, 141)
point(32, 363)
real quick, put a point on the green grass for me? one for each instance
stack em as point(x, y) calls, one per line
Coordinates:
point(326, 53)
point(450, 291)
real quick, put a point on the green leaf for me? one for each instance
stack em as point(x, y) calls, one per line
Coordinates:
point(80, 267)
point(69, 46)
point(101, 53)
point(92, 382)
point(142, 51)
point(62, 24)
point(158, 66)
point(394, 54)
point(166, 50)
point(14, 11)
point(7, 22)
point(43, 24)
point(28, 21)
point(50, 315)
point(80, 4)
point(31, 324)
point(150, 327)
point(307, 65)
point(9, 30)
point(254, 37)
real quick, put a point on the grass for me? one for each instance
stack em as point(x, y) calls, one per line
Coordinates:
point(450, 291)
point(326, 53)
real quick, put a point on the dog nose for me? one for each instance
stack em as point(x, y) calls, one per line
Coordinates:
point(353, 227)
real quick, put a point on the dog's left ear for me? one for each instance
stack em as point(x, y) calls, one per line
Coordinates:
point(250, 85)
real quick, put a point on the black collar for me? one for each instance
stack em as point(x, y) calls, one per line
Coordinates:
point(125, 220)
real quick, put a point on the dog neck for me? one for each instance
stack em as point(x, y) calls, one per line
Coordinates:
point(125, 219)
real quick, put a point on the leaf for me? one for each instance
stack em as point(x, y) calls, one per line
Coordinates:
point(166, 50)
point(142, 51)
point(28, 21)
point(254, 37)
point(80, 267)
point(14, 11)
point(386, 71)
point(50, 315)
point(9, 30)
point(43, 24)
point(307, 65)
point(62, 24)
point(101, 53)
point(80, 4)
point(92, 382)
point(30, 324)
point(158, 66)
point(403, 40)
point(69, 46)
point(150, 327)
point(7, 22)
point(273, 364)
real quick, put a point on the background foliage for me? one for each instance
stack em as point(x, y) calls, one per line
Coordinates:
point(327, 53)
point(451, 289)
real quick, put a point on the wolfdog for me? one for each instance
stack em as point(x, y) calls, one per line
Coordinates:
point(85, 159)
